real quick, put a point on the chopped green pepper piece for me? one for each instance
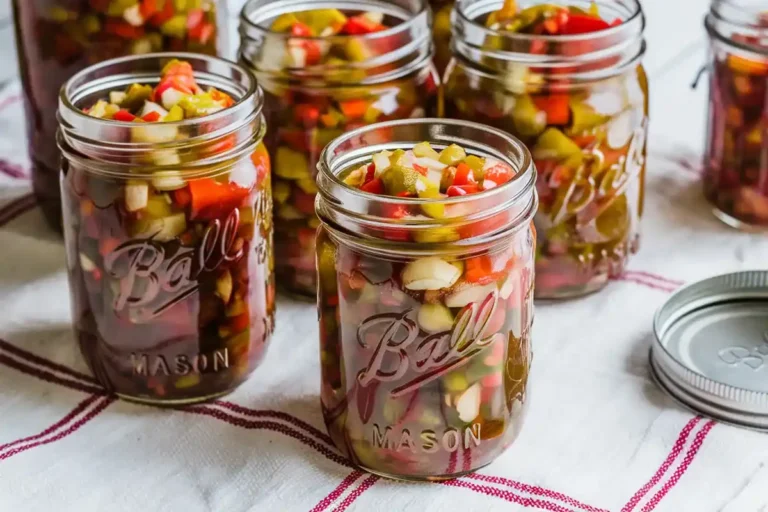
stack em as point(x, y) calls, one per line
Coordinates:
point(529, 120)
point(554, 145)
point(135, 97)
point(425, 150)
point(428, 190)
point(584, 117)
point(175, 27)
point(452, 155)
point(398, 179)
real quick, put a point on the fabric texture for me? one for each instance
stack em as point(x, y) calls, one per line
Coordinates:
point(599, 436)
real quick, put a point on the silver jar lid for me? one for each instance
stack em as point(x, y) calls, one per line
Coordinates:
point(711, 348)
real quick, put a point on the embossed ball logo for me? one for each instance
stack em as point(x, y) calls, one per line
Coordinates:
point(152, 279)
point(434, 356)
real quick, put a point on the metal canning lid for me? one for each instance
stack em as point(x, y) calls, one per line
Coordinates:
point(711, 348)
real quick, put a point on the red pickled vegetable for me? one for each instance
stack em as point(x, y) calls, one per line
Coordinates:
point(124, 115)
point(202, 32)
point(152, 117)
point(583, 24)
point(211, 199)
point(300, 29)
point(163, 15)
point(306, 114)
point(123, 29)
point(463, 190)
point(194, 18)
point(464, 175)
point(556, 108)
point(370, 172)
point(360, 25)
point(182, 197)
point(375, 186)
point(499, 173)
point(353, 109)
point(148, 8)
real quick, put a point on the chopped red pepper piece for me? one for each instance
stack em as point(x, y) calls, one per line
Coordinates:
point(163, 15)
point(123, 29)
point(306, 114)
point(359, 25)
point(194, 18)
point(211, 199)
point(375, 186)
point(260, 159)
point(148, 8)
point(583, 24)
point(370, 172)
point(555, 106)
point(464, 175)
point(152, 117)
point(203, 32)
point(182, 197)
point(124, 115)
point(300, 29)
point(499, 173)
point(461, 190)
point(353, 109)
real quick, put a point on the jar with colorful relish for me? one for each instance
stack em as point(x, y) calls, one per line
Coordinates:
point(735, 167)
point(566, 79)
point(327, 68)
point(167, 224)
point(441, 32)
point(57, 38)
point(426, 265)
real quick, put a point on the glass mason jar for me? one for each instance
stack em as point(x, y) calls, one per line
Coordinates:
point(425, 384)
point(580, 104)
point(57, 38)
point(386, 75)
point(735, 164)
point(441, 32)
point(173, 299)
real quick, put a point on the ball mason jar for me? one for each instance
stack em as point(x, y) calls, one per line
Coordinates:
point(425, 384)
point(441, 32)
point(580, 104)
point(57, 38)
point(172, 298)
point(386, 75)
point(735, 167)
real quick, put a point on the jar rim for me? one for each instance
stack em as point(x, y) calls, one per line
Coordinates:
point(408, 44)
point(636, 16)
point(76, 82)
point(727, 18)
point(325, 166)
point(339, 200)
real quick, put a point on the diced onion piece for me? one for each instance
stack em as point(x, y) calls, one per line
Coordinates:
point(133, 15)
point(381, 162)
point(374, 17)
point(430, 163)
point(151, 106)
point(297, 56)
point(435, 318)
point(430, 273)
point(166, 157)
point(489, 184)
point(468, 404)
point(86, 264)
point(153, 133)
point(171, 97)
point(224, 286)
point(467, 294)
point(136, 195)
point(117, 97)
point(168, 180)
point(508, 286)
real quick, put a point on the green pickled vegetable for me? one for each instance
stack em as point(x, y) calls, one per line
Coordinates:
point(452, 155)
point(528, 119)
point(425, 150)
point(555, 145)
point(399, 180)
point(584, 117)
point(135, 97)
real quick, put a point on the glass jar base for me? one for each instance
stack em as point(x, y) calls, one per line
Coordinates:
point(594, 285)
point(159, 402)
point(730, 220)
point(414, 478)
